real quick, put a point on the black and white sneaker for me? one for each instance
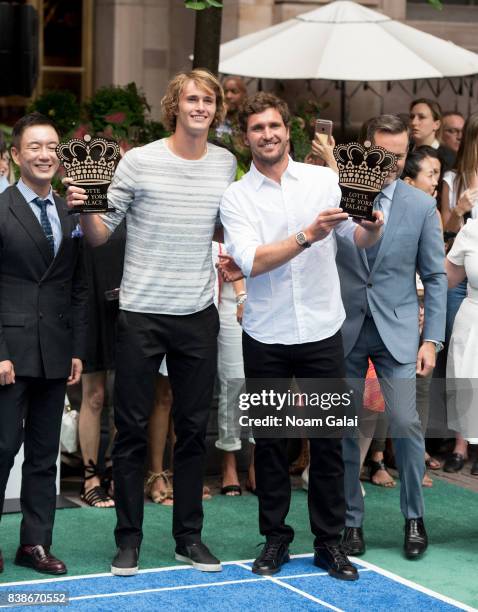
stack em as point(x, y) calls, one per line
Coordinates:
point(125, 562)
point(197, 554)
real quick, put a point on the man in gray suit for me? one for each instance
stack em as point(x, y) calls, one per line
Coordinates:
point(380, 299)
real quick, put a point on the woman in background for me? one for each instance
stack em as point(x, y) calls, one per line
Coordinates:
point(462, 364)
point(458, 204)
point(6, 167)
point(425, 122)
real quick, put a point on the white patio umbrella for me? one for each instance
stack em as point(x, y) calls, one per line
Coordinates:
point(344, 41)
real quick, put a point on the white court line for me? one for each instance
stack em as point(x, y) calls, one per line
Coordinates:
point(279, 582)
point(360, 561)
point(204, 585)
point(110, 575)
point(141, 571)
point(413, 585)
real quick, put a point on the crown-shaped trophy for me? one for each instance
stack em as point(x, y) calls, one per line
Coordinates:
point(91, 163)
point(362, 173)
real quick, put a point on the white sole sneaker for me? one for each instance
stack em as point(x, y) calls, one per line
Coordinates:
point(202, 567)
point(124, 571)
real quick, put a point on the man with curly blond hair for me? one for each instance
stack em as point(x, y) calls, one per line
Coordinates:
point(169, 191)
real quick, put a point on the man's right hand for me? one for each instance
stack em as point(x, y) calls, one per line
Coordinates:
point(7, 373)
point(325, 223)
point(75, 196)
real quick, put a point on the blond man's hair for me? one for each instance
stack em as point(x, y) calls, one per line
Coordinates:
point(203, 79)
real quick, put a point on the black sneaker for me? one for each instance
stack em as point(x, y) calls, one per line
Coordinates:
point(273, 556)
point(332, 558)
point(125, 562)
point(197, 554)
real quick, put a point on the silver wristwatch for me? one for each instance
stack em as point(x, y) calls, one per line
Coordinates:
point(302, 241)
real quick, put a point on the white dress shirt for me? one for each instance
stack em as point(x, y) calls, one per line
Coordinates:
point(299, 301)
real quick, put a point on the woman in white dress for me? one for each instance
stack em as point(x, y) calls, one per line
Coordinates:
point(458, 204)
point(462, 364)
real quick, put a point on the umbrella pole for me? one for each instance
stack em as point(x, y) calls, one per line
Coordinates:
point(343, 108)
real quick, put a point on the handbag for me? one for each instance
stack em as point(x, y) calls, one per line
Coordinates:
point(69, 429)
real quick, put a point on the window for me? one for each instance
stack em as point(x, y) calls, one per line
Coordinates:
point(66, 46)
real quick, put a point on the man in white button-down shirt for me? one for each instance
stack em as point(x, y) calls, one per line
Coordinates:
point(279, 222)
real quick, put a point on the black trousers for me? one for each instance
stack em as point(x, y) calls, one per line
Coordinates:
point(40, 402)
point(190, 342)
point(323, 359)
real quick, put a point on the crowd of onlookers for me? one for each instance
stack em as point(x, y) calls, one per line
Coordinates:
point(442, 161)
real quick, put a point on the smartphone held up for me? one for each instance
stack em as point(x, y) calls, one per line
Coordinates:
point(323, 129)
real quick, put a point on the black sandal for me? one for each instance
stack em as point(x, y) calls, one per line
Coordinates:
point(97, 494)
point(233, 490)
point(377, 466)
point(107, 481)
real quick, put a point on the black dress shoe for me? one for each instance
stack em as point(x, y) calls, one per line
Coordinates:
point(332, 558)
point(40, 559)
point(416, 539)
point(353, 542)
point(454, 463)
point(273, 556)
point(199, 556)
point(125, 562)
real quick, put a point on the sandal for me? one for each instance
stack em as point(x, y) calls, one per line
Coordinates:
point(427, 482)
point(95, 495)
point(233, 490)
point(159, 497)
point(107, 481)
point(432, 463)
point(377, 466)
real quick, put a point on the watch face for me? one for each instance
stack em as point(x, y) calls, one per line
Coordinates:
point(300, 237)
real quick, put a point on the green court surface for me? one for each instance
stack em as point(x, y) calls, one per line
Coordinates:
point(83, 537)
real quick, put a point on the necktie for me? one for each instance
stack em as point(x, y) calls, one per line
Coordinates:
point(372, 251)
point(45, 223)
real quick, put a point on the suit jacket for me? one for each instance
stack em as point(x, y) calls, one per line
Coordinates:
point(412, 241)
point(43, 300)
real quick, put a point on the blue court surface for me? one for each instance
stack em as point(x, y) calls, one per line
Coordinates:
point(299, 586)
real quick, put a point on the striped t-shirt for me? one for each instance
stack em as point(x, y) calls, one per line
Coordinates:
point(171, 206)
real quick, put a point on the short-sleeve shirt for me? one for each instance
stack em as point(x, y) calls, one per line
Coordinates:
point(464, 252)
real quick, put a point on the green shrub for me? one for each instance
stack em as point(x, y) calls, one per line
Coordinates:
point(60, 106)
point(118, 110)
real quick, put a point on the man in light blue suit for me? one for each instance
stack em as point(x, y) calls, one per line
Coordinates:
point(380, 299)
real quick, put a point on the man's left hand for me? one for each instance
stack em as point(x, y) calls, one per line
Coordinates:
point(372, 226)
point(76, 370)
point(228, 269)
point(426, 359)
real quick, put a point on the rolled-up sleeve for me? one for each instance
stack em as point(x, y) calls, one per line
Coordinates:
point(241, 236)
point(347, 228)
